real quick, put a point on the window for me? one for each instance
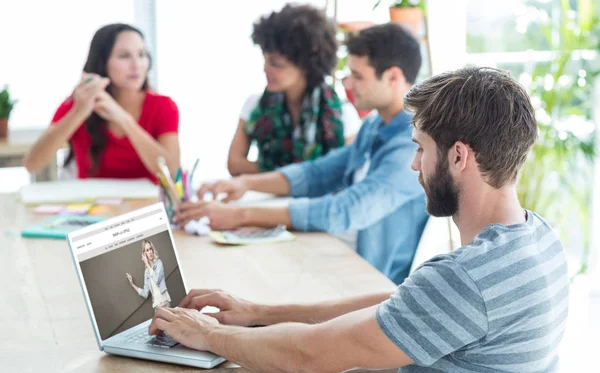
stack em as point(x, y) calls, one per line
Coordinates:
point(553, 52)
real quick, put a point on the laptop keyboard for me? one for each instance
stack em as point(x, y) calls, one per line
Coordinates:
point(164, 340)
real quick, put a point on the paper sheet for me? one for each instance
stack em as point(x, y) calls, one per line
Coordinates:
point(87, 190)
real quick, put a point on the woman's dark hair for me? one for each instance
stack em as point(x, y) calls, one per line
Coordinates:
point(303, 35)
point(100, 50)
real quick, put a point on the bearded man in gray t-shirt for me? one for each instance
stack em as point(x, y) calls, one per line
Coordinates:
point(497, 304)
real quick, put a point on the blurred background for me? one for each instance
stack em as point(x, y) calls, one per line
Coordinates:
point(202, 50)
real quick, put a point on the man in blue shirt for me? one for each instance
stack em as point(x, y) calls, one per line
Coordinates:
point(367, 187)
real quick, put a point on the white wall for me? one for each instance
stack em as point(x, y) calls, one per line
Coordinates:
point(44, 47)
point(362, 10)
point(447, 34)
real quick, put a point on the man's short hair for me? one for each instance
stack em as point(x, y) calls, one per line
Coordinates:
point(484, 108)
point(386, 46)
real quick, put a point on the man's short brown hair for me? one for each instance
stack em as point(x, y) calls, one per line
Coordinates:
point(388, 45)
point(484, 108)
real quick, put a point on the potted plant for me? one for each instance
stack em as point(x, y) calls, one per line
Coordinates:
point(6, 106)
point(407, 12)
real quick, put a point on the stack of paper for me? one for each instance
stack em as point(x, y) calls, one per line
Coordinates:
point(87, 190)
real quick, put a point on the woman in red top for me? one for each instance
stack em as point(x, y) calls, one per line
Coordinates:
point(115, 126)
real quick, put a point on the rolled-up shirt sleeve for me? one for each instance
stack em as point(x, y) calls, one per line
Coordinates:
point(360, 205)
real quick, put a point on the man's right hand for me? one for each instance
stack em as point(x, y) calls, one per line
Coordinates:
point(234, 189)
point(232, 310)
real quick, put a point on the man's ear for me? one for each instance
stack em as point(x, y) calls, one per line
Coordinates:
point(458, 155)
point(395, 75)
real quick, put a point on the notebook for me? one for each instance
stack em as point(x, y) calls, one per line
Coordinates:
point(87, 190)
point(58, 226)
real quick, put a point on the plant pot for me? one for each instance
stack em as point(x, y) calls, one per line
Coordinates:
point(410, 17)
point(3, 127)
point(355, 26)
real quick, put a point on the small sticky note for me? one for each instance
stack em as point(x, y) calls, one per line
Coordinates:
point(75, 212)
point(49, 209)
point(77, 209)
point(98, 209)
point(81, 206)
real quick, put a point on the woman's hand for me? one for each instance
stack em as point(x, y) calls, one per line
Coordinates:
point(234, 189)
point(222, 216)
point(87, 91)
point(145, 260)
point(107, 108)
point(129, 278)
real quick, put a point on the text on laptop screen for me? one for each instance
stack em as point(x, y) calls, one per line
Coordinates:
point(129, 268)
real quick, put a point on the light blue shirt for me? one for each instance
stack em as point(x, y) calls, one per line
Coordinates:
point(387, 207)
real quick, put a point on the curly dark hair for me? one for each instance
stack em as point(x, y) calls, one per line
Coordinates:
point(303, 35)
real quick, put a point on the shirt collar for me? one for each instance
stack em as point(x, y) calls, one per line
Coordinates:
point(400, 122)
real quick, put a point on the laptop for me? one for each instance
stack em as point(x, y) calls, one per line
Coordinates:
point(128, 267)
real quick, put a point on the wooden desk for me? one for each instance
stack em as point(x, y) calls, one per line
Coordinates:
point(14, 148)
point(43, 319)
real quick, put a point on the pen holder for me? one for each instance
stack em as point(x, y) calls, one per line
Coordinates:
point(172, 192)
point(169, 205)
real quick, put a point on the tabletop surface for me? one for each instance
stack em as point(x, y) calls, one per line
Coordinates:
point(45, 324)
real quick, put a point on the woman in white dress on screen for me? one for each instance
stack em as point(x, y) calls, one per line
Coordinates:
point(154, 277)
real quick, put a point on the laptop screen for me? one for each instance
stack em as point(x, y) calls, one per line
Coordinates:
point(128, 267)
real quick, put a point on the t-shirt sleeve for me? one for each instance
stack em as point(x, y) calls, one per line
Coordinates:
point(249, 105)
point(436, 311)
point(62, 110)
point(350, 119)
point(169, 118)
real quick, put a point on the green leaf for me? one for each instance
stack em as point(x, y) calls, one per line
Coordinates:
point(6, 104)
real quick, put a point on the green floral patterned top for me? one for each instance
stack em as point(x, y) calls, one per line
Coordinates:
point(280, 143)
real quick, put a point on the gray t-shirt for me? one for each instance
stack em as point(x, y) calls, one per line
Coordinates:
point(498, 304)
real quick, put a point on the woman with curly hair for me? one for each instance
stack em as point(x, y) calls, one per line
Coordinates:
point(298, 117)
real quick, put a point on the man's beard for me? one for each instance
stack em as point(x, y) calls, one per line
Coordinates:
point(441, 191)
